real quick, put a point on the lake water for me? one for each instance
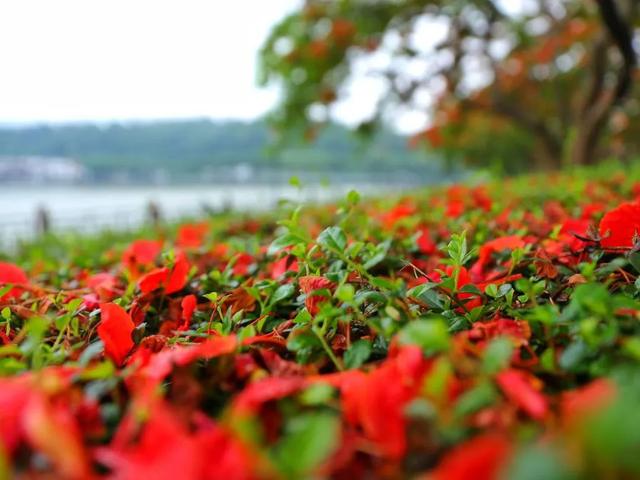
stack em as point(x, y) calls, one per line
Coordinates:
point(90, 209)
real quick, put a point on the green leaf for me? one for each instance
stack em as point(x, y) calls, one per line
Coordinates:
point(4, 290)
point(303, 317)
point(475, 399)
point(383, 283)
point(317, 394)
point(282, 293)
point(431, 334)
point(100, 371)
point(73, 305)
point(212, 297)
point(491, 290)
point(11, 366)
point(345, 292)
point(353, 197)
point(333, 238)
point(91, 352)
point(285, 241)
point(536, 462)
point(426, 294)
point(573, 356)
point(302, 338)
point(470, 288)
point(357, 354)
point(295, 181)
point(497, 355)
point(308, 440)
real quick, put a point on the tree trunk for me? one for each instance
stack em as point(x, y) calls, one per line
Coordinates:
point(589, 130)
point(600, 101)
point(548, 154)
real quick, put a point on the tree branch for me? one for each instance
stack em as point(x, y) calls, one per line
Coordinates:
point(622, 37)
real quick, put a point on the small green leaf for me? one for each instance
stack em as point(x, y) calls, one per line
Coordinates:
point(303, 317)
point(491, 290)
point(353, 197)
point(497, 355)
point(475, 399)
point(5, 289)
point(357, 354)
point(308, 440)
point(73, 305)
point(284, 241)
point(212, 297)
point(282, 293)
point(102, 370)
point(345, 292)
point(431, 334)
point(295, 181)
point(317, 394)
point(333, 238)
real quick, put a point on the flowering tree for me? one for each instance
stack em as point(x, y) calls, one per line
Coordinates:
point(543, 83)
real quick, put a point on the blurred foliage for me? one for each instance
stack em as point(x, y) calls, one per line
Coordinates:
point(504, 86)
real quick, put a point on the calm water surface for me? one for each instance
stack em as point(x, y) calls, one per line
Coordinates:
point(88, 209)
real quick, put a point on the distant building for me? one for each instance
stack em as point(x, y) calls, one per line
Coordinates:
point(37, 170)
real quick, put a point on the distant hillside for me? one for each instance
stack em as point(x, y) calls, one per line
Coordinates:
point(193, 148)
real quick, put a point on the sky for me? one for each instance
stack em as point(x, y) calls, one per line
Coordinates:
point(104, 60)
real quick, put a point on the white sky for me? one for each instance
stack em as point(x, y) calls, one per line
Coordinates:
point(75, 60)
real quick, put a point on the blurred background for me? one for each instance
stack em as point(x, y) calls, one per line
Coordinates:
point(112, 111)
point(108, 105)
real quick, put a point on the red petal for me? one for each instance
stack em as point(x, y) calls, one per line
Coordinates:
point(480, 458)
point(576, 404)
point(188, 307)
point(179, 273)
point(517, 387)
point(153, 280)
point(273, 388)
point(53, 430)
point(619, 226)
point(16, 393)
point(10, 273)
point(141, 252)
point(376, 402)
point(161, 364)
point(115, 331)
point(497, 245)
point(311, 283)
point(165, 448)
point(192, 235)
point(425, 243)
point(242, 264)
point(103, 285)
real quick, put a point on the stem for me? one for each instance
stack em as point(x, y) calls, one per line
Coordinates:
point(327, 349)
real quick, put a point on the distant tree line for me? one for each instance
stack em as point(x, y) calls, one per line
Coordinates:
point(191, 146)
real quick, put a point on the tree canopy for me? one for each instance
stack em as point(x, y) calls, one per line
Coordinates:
point(546, 83)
